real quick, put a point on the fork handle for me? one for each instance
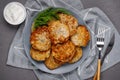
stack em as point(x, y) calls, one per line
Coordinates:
point(97, 74)
point(99, 69)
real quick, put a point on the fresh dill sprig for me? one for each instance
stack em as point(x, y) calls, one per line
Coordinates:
point(49, 14)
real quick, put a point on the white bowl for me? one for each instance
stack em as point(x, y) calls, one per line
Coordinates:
point(14, 13)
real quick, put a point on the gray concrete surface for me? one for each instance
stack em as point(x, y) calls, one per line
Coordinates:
point(7, 32)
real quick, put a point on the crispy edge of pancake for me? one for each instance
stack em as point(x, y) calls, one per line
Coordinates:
point(39, 55)
point(77, 56)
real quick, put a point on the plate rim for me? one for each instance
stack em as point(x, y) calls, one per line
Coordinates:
point(52, 71)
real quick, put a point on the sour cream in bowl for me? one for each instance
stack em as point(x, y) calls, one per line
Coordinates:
point(14, 13)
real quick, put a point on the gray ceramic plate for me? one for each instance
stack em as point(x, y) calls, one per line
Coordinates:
point(40, 65)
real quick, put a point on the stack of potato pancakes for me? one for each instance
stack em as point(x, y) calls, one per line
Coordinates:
point(59, 42)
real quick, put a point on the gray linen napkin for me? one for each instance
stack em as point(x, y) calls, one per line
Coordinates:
point(93, 18)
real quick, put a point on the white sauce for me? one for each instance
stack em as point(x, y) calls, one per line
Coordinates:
point(14, 13)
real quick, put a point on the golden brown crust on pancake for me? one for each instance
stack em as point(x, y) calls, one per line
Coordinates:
point(63, 52)
point(59, 32)
point(39, 55)
point(77, 56)
point(39, 39)
point(69, 20)
point(82, 37)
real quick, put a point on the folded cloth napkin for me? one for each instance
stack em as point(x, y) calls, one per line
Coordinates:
point(93, 17)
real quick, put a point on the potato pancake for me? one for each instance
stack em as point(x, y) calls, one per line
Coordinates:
point(51, 63)
point(70, 21)
point(40, 40)
point(77, 56)
point(59, 32)
point(39, 55)
point(63, 52)
point(82, 37)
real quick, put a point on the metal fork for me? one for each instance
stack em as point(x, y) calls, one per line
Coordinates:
point(100, 45)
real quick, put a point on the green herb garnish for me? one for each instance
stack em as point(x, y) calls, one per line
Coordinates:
point(49, 14)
